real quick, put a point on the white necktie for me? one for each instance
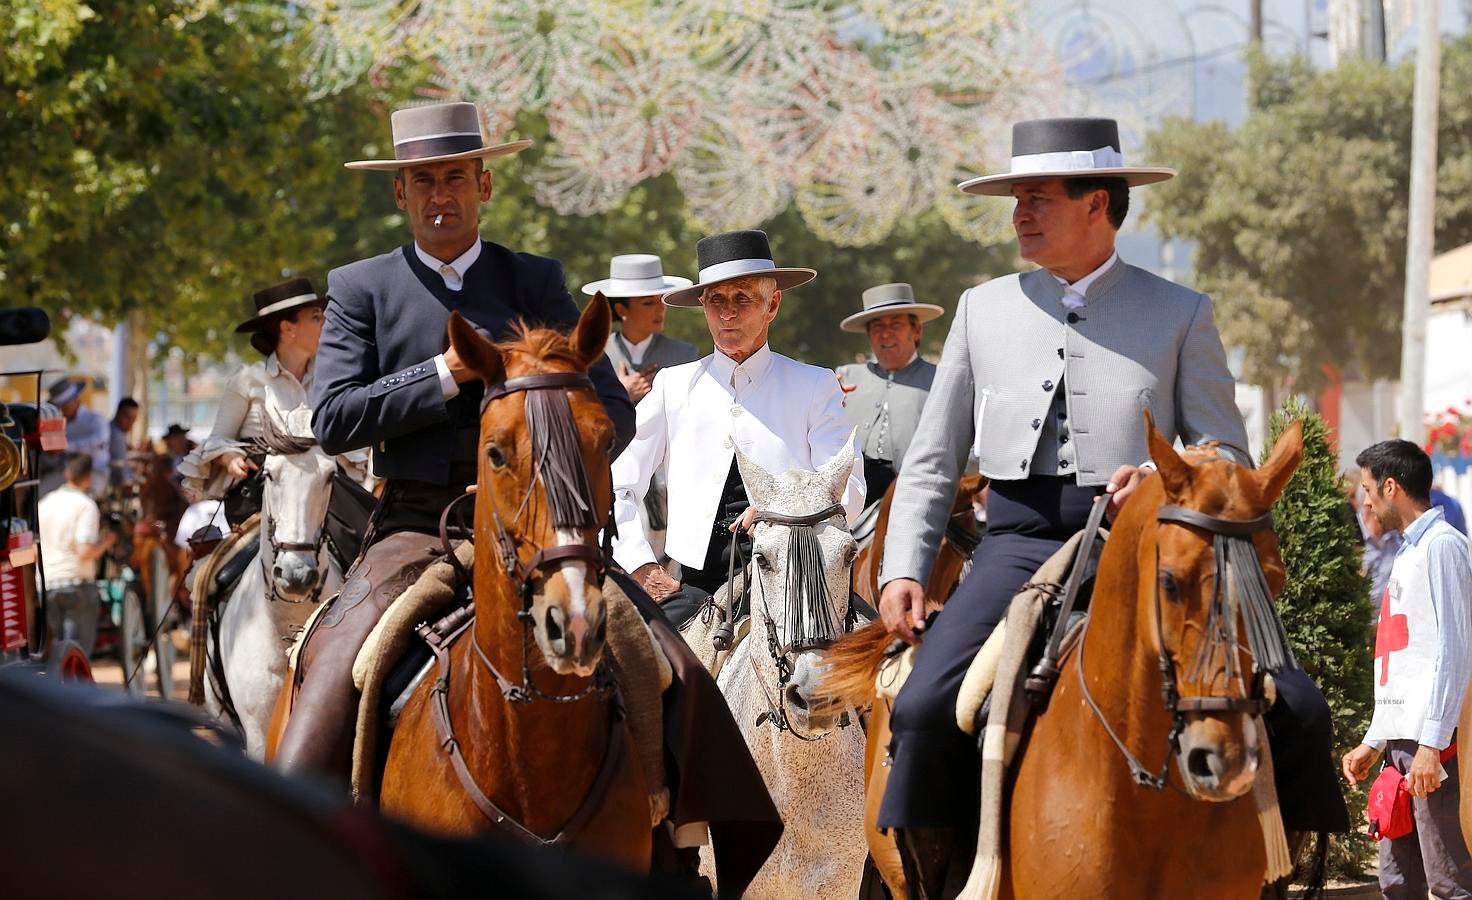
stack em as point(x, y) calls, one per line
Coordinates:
point(453, 281)
point(1073, 298)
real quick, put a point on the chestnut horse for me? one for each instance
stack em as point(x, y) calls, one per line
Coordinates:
point(960, 539)
point(1078, 820)
point(536, 749)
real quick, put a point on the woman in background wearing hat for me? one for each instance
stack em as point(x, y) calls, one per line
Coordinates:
point(285, 330)
point(639, 348)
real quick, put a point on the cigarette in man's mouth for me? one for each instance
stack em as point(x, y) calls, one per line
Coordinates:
point(439, 220)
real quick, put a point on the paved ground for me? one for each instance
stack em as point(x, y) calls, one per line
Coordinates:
point(106, 671)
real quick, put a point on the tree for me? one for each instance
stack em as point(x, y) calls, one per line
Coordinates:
point(1299, 215)
point(1325, 601)
point(162, 160)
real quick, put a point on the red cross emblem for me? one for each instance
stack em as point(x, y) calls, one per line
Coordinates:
point(1391, 634)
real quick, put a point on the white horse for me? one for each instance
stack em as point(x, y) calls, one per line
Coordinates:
point(293, 571)
point(811, 756)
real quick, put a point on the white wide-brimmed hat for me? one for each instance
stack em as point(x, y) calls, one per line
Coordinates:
point(885, 299)
point(635, 275)
point(437, 133)
point(736, 254)
point(1065, 148)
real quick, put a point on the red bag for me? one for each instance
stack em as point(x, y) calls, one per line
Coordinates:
point(1388, 806)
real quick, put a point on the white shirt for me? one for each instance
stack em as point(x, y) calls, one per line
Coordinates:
point(1075, 295)
point(637, 351)
point(69, 521)
point(453, 272)
point(781, 413)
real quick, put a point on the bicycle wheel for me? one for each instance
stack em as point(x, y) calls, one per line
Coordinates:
point(133, 633)
point(163, 634)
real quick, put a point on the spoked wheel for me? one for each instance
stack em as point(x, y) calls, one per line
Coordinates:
point(133, 634)
point(161, 607)
point(68, 662)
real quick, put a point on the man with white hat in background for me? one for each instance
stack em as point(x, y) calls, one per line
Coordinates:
point(386, 378)
point(887, 393)
point(1044, 378)
point(639, 348)
point(781, 413)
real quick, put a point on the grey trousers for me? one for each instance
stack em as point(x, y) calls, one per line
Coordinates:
point(1434, 857)
point(72, 611)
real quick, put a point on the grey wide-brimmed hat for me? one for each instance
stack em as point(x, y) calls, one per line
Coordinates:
point(437, 133)
point(885, 299)
point(635, 275)
point(1065, 148)
point(64, 391)
point(736, 254)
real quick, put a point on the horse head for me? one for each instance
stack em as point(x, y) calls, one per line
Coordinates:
point(1208, 568)
point(298, 485)
point(544, 485)
point(801, 557)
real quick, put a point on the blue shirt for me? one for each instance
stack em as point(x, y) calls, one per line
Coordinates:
point(1450, 568)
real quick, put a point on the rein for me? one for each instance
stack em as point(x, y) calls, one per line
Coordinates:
point(1236, 563)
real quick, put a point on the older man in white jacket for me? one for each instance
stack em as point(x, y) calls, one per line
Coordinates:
point(783, 415)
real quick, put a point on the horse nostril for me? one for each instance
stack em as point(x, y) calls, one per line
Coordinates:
point(1198, 763)
point(554, 628)
point(602, 630)
point(795, 697)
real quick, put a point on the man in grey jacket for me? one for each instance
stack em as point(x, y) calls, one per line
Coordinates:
point(1044, 378)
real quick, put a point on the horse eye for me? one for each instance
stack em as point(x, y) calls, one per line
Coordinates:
point(762, 561)
point(494, 454)
point(852, 553)
point(1169, 586)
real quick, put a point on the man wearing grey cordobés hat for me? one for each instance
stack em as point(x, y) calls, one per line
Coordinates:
point(1044, 378)
point(386, 379)
point(887, 393)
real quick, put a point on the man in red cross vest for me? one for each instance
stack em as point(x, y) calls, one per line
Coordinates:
point(1423, 658)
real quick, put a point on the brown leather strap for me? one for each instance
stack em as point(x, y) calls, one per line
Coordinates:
point(543, 381)
point(1230, 527)
point(440, 637)
point(821, 515)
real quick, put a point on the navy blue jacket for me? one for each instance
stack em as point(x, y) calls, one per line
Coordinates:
point(375, 383)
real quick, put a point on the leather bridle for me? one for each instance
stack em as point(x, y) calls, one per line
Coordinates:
point(1255, 703)
point(280, 547)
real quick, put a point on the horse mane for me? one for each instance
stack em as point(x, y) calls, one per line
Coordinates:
point(853, 663)
point(539, 344)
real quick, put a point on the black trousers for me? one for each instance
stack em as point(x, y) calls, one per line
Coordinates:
point(698, 584)
point(933, 779)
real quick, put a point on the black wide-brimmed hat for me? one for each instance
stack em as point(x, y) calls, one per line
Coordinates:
point(1065, 148)
point(736, 254)
point(176, 429)
point(277, 301)
point(435, 133)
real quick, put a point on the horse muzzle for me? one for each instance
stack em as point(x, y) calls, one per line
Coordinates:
point(572, 644)
point(1218, 761)
point(296, 577)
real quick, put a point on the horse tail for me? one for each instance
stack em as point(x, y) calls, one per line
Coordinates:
point(853, 662)
point(1313, 871)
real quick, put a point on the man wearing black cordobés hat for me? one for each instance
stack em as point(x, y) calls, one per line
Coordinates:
point(385, 378)
point(1044, 378)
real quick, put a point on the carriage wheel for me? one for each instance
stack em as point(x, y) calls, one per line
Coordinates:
point(133, 635)
point(68, 662)
point(163, 644)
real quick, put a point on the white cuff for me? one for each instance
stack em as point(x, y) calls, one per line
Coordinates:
point(447, 381)
point(1149, 465)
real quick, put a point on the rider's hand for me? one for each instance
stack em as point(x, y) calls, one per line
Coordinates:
point(634, 381)
point(1357, 762)
point(902, 607)
point(1121, 484)
point(844, 386)
point(240, 467)
point(656, 582)
point(457, 367)
point(1424, 776)
point(744, 523)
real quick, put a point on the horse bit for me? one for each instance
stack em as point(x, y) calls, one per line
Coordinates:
point(1235, 555)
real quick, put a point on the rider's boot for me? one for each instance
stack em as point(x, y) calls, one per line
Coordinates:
point(925, 854)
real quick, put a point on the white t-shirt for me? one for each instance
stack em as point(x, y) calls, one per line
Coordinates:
point(69, 521)
point(197, 516)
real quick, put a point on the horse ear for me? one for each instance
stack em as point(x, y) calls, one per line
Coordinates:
point(589, 337)
point(1174, 471)
point(835, 472)
point(477, 351)
point(1282, 462)
point(760, 485)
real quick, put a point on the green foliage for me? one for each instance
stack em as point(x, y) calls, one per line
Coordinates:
point(1325, 603)
point(162, 156)
point(1299, 216)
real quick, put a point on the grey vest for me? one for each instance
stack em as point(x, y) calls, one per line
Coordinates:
point(885, 406)
point(663, 351)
